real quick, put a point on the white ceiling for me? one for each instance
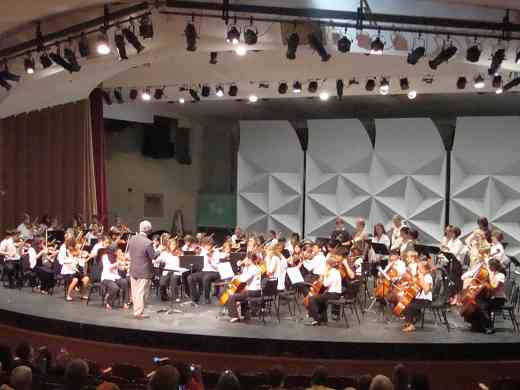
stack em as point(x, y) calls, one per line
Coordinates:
point(166, 62)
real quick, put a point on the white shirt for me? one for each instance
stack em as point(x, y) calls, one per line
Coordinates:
point(396, 237)
point(497, 252)
point(457, 248)
point(332, 281)
point(7, 246)
point(320, 264)
point(32, 257)
point(272, 264)
point(171, 262)
point(210, 262)
point(382, 240)
point(281, 271)
point(26, 233)
point(399, 265)
point(95, 249)
point(69, 264)
point(428, 296)
point(252, 276)
point(110, 270)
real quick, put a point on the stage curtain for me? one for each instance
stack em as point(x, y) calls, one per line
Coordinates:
point(98, 143)
point(48, 164)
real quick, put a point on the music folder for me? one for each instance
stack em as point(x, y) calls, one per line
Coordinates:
point(427, 249)
point(192, 262)
point(379, 249)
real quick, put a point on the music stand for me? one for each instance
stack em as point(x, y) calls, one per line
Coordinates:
point(379, 249)
point(234, 258)
point(427, 250)
point(58, 235)
point(191, 262)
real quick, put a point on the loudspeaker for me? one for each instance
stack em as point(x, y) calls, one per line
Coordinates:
point(156, 139)
point(182, 144)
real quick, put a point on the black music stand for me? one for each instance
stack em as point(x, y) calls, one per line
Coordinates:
point(427, 250)
point(58, 235)
point(379, 249)
point(234, 258)
point(191, 262)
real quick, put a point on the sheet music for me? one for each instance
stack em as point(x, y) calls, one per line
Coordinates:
point(225, 271)
point(295, 276)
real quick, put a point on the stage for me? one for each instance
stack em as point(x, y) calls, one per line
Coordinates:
point(206, 329)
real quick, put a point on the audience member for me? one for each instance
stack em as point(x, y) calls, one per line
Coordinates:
point(76, 375)
point(6, 358)
point(276, 378)
point(319, 379)
point(228, 381)
point(364, 382)
point(24, 356)
point(400, 377)
point(165, 378)
point(419, 381)
point(21, 378)
point(381, 382)
point(107, 386)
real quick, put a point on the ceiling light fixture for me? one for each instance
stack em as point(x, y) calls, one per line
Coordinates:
point(313, 86)
point(145, 95)
point(479, 82)
point(324, 96)
point(339, 88)
point(119, 96)
point(233, 35)
point(253, 98)
point(191, 37)
point(132, 39)
point(29, 65)
point(103, 46)
point(412, 94)
point(297, 87)
point(219, 91)
point(83, 46)
point(404, 83)
point(241, 50)
point(496, 61)
point(282, 88)
point(213, 58)
point(415, 55)
point(444, 56)
point(377, 46)
point(461, 82)
point(370, 85)
point(384, 86)
point(292, 45)
point(146, 27)
point(119, 40)
point(316, 43)
point(473, 53)
point(251, 34)
point(233, 90)
point(133, 94)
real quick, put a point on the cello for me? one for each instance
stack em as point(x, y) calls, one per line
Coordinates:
point(317, 288)
point(476, 287)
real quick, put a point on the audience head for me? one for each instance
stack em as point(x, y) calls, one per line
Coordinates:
point(145, 227)
point(165, 378)
point(184, 371)
point(21, 378)
point(107, 386)
point(228, 381)
point(400, 377)
point(381, 382)
point(24, 351)
point(364, 382)
point(76, 374)
point(319, 376)
point(419, 381)
point(276, 377)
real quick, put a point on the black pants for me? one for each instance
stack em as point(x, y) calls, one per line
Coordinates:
point(12, 271)
point(47, 278)
point(201, 282)
point(318, 306)
point(241, 298)
point(309, 278)
point(483, 317)
point(413, 310)
point(170, 279)
point(113, 288)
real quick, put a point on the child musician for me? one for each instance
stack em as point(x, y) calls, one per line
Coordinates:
point(71, 267)
point(200, 282)
point(331, 279)
point(251, 276)
point(170, 258)
point(111, 279)
point(413, 310)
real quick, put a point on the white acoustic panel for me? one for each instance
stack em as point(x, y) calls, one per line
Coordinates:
point(485, 178)
point(270, 167)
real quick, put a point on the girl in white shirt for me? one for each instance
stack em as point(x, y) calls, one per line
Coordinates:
point(412, 311)
point(170, 259)
point(111, 279)
point(251, 277)
point(70, 258)
point(379, 237)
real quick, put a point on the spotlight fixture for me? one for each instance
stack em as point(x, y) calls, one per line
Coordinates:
point(479, 82)
point(233, 35)
point(119, 96)
point(297, 87)
point(370, 85)
point(70, 56)
point(146, 27)
point(461, 82)
point(404, 83)
point(145, 95)
point(313, 86)
point(45, 60)
point(384, 86)
point(106, 98)
point(103, 46)
point(181, 100)
point(5, 76)
point(241, 50)
point(344, 44)
point(339, 88)
point(119, 40)
point(83, 46)
point(496, 61)
point(28, 63)
point(497, 84)
point(158, 94)
point(251, 35)
point(292, 45)
point(412, 94)
point(132, 38)
point(473, 53)
point(58, 59)
point(233, 90)
point(517, 59)
point(282, 88)
point(194, 94)
point(219, 91)
point(253, 98)
point(316, 43)
point(213, 58)
point(415, 55)
point(324, 96)
point(499, 91)
point(133, 94)
point(377, 46)
point(191, 37)
point(444, 56)
point(205, 91)
point(511, 84)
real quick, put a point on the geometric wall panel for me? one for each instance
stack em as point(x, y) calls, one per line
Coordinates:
point(485, 177)
point(270, 166)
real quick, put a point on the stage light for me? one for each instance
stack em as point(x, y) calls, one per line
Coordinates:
point(219, 91)
point(473, 53)
point(344, 44)
point(233, 35)
point(132, 39)
point(444, 56)
point(233, 90)
point(145, 95)
point(133, 94)
point(241, 50)
point(191, 37)
point(251, 36)
point(292, 45)
point(119, 96)
point(513, 83)
point(205, 91)
point(297, 87)
point(59, 60)
point(415, 55)
point(384, 86)
point(316, 44)
point(339, 88)
point(377, 46)
point(412, 94)
point(313, 86)
point(324, 96)
point(496, 61)
point(282, 88)
point(461, 82)
point(499, 91)
point(194, 94)
point(404, 83)
point(370, 85)
point(103, 46)
point(146, 27)
point(45, 60)
point(158, 94)
point(5, 76)
point(213, 58)
point(497, 84)
point(479, 82)
point(517, 59)
point(181, 100)
point(28, 63)
point(83, 46)
point(70, 56)
point(106, 98)
point(119, 40)
point(253, 98)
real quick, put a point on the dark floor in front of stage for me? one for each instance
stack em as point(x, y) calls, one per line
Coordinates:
point(209, 320)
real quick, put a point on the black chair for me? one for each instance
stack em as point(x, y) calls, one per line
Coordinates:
point(288, 297)
point(349, 298)
point(508, 309)
point(157, 272)
point(27, 274)
point(96, 268)
point(267, 300)
point(439, 306)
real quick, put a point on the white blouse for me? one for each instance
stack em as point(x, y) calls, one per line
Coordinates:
point(110, 270)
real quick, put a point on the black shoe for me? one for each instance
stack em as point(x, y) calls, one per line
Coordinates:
point(164, 298)
point(489, 331)
point(335, 317)
point(312, 323)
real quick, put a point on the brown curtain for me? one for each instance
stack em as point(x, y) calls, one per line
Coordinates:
point(47, 164)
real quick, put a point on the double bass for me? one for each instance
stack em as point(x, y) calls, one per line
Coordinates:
point(476, 287)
